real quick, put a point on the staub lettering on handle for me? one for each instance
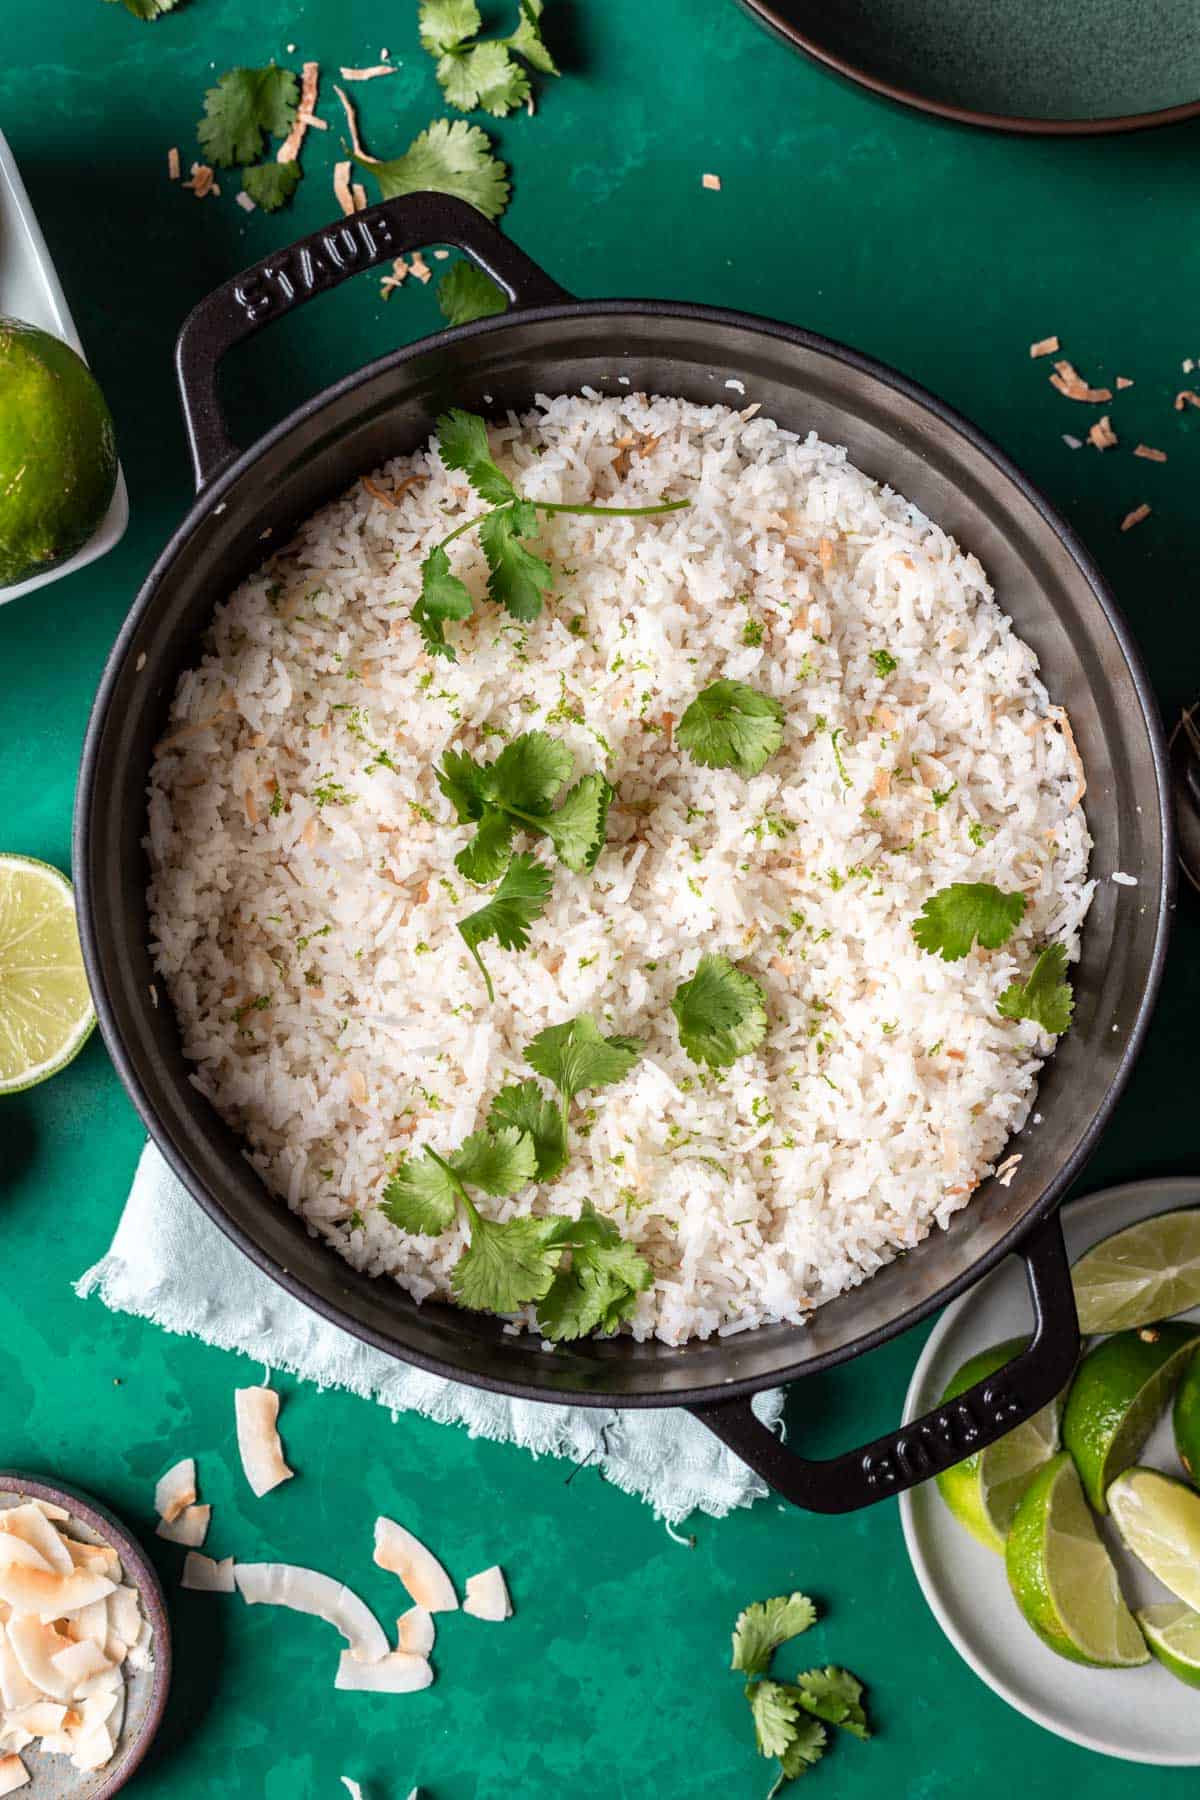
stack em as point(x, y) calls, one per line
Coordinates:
point(942, 1438)
point(273, 286)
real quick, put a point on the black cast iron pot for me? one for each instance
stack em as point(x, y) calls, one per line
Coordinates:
point(551, 344)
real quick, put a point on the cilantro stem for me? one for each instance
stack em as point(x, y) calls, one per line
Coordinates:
point(615, 512)
point(487, 980)
point(454, 1178)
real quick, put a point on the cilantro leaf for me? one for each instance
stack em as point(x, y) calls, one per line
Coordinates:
point(463, 441)
point(527, 39)
point(465, 293)
point(422, 1196)
point(1046, 997)
point(835, 1696)
point(518, 578)
point(245, 105)
point(885, 662)
point(762, 1627)
point(271, 184)
point(941, 795)
point(443, 596)
point(773, 1710)
point(524, 1104)
point(449, 157)
point(489, 852)
point(445, 24)
point(149, 9)
point(600, 1288)
point(508, 1264)
point(721, 1012)
point(576, 1056)
point(577, 830)
point(806, 1748)
point(484, 76)
point(529, 771)
point(499, 1162)
point(731, 726)
point(512, 909)
point(463, 782)
point(952, 919)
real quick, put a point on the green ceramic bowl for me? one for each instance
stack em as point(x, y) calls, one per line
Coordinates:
point(1065, 67)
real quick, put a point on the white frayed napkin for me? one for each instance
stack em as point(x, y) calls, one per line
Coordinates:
point(170, 1263)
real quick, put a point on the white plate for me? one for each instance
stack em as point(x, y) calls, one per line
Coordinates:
point(30, 290)
point(1144, 1715)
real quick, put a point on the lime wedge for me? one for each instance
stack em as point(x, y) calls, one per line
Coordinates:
point(45, 1008)
point(1062, 1578)
point(1186, 1420)
point(1159, 1520)
point(1149, 1271)
point(1119, 1390)
point(982, 1492)
point(1172, 1631)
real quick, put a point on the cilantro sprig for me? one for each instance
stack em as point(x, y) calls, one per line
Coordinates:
point(721, 1012)
point(517, 578)
point(1046, 997)
point(518, 791)
point(731, 726)
point(581, 1272)
point(954, 918)
point(448, 157)
point(517, 903)
point(465, 293)
point(483, 74)
point(245, 107)
point(790, 1716)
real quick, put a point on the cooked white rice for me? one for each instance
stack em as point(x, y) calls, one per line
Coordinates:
point(328, 1005)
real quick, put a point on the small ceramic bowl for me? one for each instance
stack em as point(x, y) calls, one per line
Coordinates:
point(53, 1777)
point(30, 290)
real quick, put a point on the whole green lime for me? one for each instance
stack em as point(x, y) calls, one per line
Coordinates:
point(58, 455)
point(1187, 1422)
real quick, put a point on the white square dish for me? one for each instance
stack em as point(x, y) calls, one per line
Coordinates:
point(30, 290)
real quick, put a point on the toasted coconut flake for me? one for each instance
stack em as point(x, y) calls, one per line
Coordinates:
point(307, 1591)
point(360, 197)
point(50, 1510)
point(405, 1556)
point(190, 1529)
point(93, 1748)
point(140, 1656)
point(1059, 715)
point(419, 269)
point(204, 1576)
point(396, 1673)
point(203, 181)
point(1135, 517)
point(15, 1550)
point(1045, 347)
point(92, 1623)
point(48, 1595)
point(35, 1645)
point(244, 201)
point(289, 150)
point(79, 1664)
point(1186, 397)
point(1067, 379)
point(352, 1787)
point(29, 1525)
point(711, 182)
point(1072, 443)
point(1123, 381)
point(41, 1717)
point(125, 1614)
point(360, 154)
point(377, 493)
point(1007, 1170)
point(176, 1490)
point(390, 282)
point(101, 1559)
point(13, 1774)
point(13, 1737)
point(16, 1689)
point(341, 187)
point(487, 1595)
point(1149, 453)
point(258, 1439)
point(415, 1632)
point(1101, 435)
point(173, 164)
point(371, 74)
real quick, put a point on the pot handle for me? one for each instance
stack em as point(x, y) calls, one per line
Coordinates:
point(934, 1443)
point(313, 265)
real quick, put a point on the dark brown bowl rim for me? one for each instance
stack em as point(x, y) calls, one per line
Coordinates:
point(1016, 124)
point(106, 1525)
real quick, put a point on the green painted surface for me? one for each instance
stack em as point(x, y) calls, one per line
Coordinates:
point(945, 253)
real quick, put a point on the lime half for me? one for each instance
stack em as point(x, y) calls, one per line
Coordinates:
point(1062, 1578)
point(1159, 1520)
point(982, 1491)
point(1148, 1271)
point(45, 1008)
point(1119, 1390)
point(1172, 1631)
